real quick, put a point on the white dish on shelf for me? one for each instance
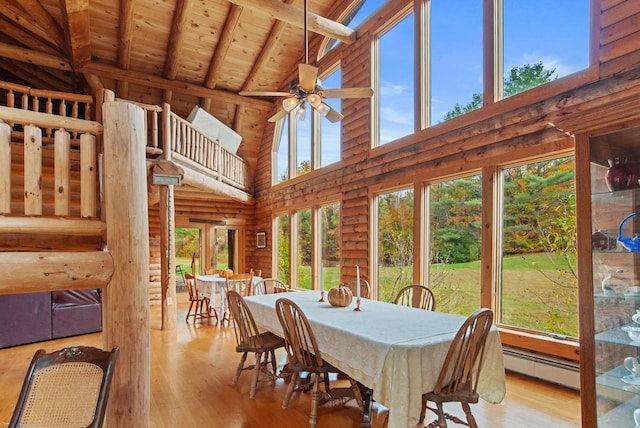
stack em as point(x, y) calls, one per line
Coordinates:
point(632, 380)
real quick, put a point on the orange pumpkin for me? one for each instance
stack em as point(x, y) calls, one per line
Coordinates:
point(340, 296)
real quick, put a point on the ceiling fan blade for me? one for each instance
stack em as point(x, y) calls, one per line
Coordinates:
point(279, 115)
point(307, 75)
point(334, 115)
point(347, 93)
point(262, 94)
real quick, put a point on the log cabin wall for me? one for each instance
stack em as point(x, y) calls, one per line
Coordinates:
point(529, 124)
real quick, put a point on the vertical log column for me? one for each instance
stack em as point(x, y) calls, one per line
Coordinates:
point(5, 168)
point(126, 299)
point(167, 235)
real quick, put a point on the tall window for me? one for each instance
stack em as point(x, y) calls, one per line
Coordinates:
point(330, 245)
point(304, 245)
point(283, 239)
point(455, 225)
point(330, 133)
point(539, 285)
point(395, 242)
point(395, 90)
point(455, 58)
point(281, 152)
point(543, 40)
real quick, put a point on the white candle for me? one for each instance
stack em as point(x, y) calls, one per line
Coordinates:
point(357, 281)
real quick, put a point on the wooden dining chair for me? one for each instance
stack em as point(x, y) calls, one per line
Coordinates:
point(416, 296)
point(66, 388)
point(458, 379)
point(303, 355)
point(241, 283)
point(365, 288)
point(249, 339)
point(272, 286)
point(198, 302)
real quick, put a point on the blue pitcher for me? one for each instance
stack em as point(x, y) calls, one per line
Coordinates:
point(631, 244)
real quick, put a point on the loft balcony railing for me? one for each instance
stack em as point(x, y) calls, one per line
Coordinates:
point(52, 135)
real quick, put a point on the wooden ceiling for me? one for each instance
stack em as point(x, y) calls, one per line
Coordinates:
point(183, 52)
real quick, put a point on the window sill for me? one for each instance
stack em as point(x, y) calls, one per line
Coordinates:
point(546, 345)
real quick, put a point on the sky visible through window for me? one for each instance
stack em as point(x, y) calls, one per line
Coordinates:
point(553, 32)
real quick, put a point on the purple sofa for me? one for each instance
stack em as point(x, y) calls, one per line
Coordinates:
point(36, 317)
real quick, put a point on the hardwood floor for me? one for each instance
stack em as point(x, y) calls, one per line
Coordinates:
point(192, 368)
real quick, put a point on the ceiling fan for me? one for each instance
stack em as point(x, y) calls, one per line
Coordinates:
point(307, 88)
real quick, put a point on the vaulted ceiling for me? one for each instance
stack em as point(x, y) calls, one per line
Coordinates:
point(181, 52)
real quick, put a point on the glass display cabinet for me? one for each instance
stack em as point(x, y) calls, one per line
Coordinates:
point(609, 276)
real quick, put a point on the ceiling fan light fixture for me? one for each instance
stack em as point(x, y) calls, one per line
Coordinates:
point(301, 111)
point(323, 109)
point(314, 100)
point(290, 103)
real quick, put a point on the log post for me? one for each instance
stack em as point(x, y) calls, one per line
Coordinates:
point(32, 170)
point(62, 164)
point(5, 168)
point(88, 176)
point(167, 235)
point(126, 301)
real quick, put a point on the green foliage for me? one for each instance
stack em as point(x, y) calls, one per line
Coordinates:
point(518, 80)
point(187, 242)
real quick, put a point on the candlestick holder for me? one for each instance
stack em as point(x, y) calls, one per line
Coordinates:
point(357, 308)
point(322, 296)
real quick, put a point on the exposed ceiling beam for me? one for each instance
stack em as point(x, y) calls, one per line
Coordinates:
point(125, 38)
point(269, 47)
point(75, 14)
point(45, 20)
point(144, 79)
point(34, 57)
point(276, 9)
point(20, 18)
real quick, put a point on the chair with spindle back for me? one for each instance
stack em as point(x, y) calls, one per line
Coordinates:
point(458, 379)
point(416, 296)
point(198, 302)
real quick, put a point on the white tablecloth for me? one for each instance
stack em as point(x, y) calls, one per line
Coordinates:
point(395, 350)
point(212, 285)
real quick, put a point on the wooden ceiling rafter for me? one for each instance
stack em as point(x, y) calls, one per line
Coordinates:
point(20, 18)
point(221, 51)
point(75, 15)
point(26, 38)
point(34, 57)
point(45, 21)
point(293, 15)
point(125, 38)
point(266, 53)
point(181, 17)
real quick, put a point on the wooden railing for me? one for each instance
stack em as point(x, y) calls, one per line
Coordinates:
point(48, 134)
point(190, 147)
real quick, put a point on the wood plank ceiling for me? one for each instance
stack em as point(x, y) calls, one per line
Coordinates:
point(183, 52)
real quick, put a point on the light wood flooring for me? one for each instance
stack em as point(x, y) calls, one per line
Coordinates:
point(192, 368)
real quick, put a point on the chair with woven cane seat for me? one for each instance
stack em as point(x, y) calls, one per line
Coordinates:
point(249, 339)
point(303, 355)
point(66, 388)
point(458, 379)
point(417, 296)
point(198, 302)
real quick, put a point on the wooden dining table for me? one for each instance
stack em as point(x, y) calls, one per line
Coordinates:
point(394, 350)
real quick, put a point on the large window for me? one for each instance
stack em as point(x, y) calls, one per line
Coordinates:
point(538, 289)
point(330, 245)
point(281, 152)
point(543, 40)
point(303, 253)
point(455, 224)
point(395, 242)
point(329, 146)
point(283, 239)
point(395, 89)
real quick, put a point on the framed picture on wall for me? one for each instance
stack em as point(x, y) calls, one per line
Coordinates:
point(261, 238)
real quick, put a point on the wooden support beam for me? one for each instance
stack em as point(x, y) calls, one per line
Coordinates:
point(276, 9)
point(76, 17)
point(34, 57)
point(53, 226)
point(27, 272)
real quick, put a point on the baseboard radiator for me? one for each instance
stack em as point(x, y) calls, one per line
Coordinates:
point(544, 367)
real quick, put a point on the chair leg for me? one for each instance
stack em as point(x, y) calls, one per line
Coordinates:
point(256, 375)
point(315, 400)
point(292, 383)
point(240, 367)
point(189, 311)
point(442, 421)
point(471, 421)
